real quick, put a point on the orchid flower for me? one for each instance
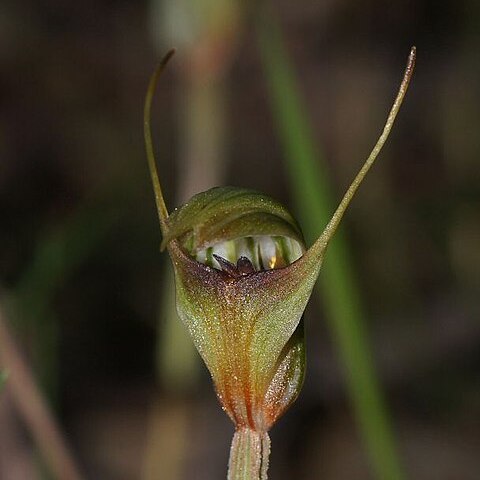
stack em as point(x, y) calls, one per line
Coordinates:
point(243, 278)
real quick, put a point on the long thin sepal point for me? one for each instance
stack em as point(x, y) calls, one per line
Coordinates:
point(159, 200)
point(337, 216)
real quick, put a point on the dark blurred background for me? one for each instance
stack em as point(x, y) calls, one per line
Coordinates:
point(86, 289)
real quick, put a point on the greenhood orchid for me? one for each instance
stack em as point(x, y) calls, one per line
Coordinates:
point(243, 278)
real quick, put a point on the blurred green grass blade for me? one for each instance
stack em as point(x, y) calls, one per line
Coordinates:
point(58, 253)
point(177, 359)
point(313, 196)
point(3, 379)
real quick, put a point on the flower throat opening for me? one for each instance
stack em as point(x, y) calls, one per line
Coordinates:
point(249, 254)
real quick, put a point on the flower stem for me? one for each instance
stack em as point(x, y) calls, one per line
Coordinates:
point(249, 455)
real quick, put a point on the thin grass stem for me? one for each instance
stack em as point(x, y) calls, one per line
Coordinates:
point(312, 192)
point(34, 410)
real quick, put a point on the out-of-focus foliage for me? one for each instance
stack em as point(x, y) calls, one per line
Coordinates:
point(3, 378)
point(313, 197)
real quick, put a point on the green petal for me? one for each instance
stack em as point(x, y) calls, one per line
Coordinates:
point(288, 378)
point(225, 213)
point(241, 326)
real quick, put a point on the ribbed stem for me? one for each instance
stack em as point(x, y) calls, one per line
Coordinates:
point(249, 455)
